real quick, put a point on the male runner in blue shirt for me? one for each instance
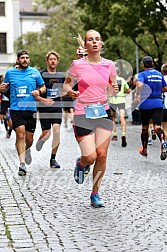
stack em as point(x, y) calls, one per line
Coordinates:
point(25, 84)
point(149, 88)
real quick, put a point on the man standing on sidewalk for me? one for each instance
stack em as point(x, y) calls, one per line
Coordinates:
point(25, 84)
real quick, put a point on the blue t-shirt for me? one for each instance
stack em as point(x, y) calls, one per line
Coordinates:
point(151, 94)
point(22, 83)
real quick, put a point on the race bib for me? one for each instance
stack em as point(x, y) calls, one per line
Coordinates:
point(53, 93)
point(95, 111)
point(22, 91)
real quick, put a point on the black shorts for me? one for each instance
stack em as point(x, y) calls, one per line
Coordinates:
point(68, 103)
point(154, 114)
point(84, 126)
point(4, 106)
point(164, 115)
point(114, 107)
point(67, 110)
point(49, 118)
point(27, 118)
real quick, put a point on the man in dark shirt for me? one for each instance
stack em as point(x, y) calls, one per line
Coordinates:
point(50, 106)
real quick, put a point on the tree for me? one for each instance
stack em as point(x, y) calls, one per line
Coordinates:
point(61, 31)
point(137, 19)
point(123, 25)
point(31, 42)
point(59, 34)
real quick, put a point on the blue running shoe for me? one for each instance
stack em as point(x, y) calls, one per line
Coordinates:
point(163, 151)
point(79, 173)
point(96, 201)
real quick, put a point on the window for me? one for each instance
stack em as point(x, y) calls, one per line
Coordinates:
point(3, 43)
point(2, 8)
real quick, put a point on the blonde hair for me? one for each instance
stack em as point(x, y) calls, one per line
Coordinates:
point(82, 41)
point(52, 52)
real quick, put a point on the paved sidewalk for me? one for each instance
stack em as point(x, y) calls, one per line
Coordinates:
point(48, 212)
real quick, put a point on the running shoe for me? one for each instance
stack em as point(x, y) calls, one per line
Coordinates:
point(163, 155)
point(28, 158)
point(22, 170)
point(39, 144)
point(114, 138)
point(124, 143)
point(79, 173)
point(54, 164)
point(87, 169)
point(153, 135)
point(96, 201)
point(143, 152)
point(8, 133)
point(150, 142)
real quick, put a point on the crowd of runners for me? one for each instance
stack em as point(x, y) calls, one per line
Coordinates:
point(93, 96)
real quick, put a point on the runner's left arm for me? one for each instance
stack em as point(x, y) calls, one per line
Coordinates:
point(67, 87)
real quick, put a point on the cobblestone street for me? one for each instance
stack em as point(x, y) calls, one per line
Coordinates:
point(47, 211)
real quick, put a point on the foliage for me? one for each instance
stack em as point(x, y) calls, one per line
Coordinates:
point(122, 24)
point(120, 47)
point(48, 3)
point(130, 18)
point(123, 16)
point(59, 34)
point(29, 41)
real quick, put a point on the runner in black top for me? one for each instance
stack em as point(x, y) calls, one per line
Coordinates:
point(50, 106)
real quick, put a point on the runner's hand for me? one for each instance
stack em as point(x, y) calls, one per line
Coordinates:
point(4, 87)
point(48, 101)
point(116, 88)
point(35, 93)
point(73, 94)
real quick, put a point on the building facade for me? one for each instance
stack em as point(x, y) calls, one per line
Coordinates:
point(17, 17)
